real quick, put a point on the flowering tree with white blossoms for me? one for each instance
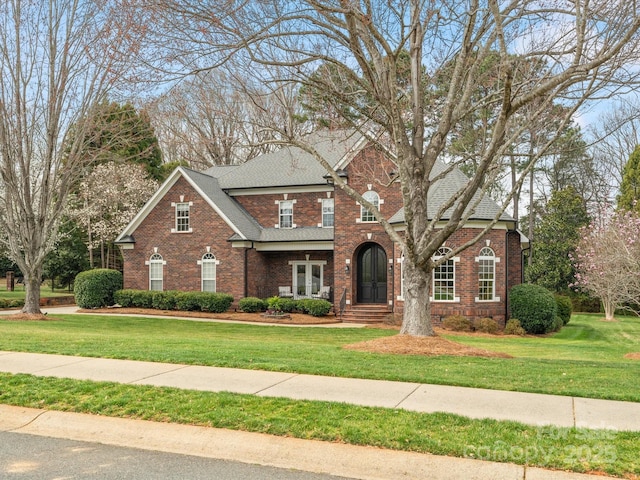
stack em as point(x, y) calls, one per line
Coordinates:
point(108, 199)
point(607, 261)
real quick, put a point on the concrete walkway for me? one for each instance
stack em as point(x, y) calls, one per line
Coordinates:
point(530, 408)
point(342, 460)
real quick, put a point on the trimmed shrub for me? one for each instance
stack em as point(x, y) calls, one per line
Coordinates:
point(203, 301)
point(534, 306)
point(187, 301)
point(558, 323)
point(486, 325)
point(96, 288)
point(165, 300)
point(252, 304)
point(124, 298)
point(565, 308)
point(143, 298)
point(513, 327)
point(315, 307)
point(4, 303)
point(214, 302)
point(457, 323)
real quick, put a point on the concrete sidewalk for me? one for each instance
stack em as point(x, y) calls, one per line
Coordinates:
point(343, 460)
point(529, 408)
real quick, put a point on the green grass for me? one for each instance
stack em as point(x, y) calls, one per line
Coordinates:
point(585, 359)
point(19, 292)
point(580, 450)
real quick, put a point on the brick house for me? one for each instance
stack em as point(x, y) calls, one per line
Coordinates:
point(278, 221)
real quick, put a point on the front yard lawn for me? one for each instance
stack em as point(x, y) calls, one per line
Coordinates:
point(585, 359)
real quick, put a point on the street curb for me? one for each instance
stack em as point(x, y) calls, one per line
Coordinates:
point(364, 463)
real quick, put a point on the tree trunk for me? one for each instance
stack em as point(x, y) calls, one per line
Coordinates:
point(609, 309)
point(416, 319)
point(32, 293)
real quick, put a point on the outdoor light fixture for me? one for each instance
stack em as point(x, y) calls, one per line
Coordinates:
point(347, 269)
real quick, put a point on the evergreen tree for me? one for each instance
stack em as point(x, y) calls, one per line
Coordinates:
point(630, 187)
point(557, 236)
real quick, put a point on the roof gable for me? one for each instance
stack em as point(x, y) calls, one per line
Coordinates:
point(208, 188)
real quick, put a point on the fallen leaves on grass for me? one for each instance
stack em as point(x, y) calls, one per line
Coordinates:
point(428, 346)
point(26, 317)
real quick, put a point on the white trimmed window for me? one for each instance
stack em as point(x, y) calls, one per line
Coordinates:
point(487, 275)
point(208, 268)
point(327, 212)
point(182, 217)
point(373, 198)
point(156, 272)
point(285, 214)
point(444, 278)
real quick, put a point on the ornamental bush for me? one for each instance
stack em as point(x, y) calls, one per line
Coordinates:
point(283, 304)
point(96, 288)
point(315, 307)
point(457, 323)
point(565, 308)
point(164, 300)
point(513, 327)
point(203, 301)
point(252, 304)
point(534, 306)
point(486, 325)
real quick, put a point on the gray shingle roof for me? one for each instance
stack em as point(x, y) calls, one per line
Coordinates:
point(305, 234)
point(236, 214)
point(444, 189)
point(291, 166)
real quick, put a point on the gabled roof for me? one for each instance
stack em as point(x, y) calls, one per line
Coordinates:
point(291, 166)
point(442, 191)
point(238, 219)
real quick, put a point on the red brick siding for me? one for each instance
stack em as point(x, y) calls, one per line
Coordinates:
point(181, 251)
point(369, 167)
point(307, 211)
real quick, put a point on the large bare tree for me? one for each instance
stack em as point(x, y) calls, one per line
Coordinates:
point(206, 120)
point(58, 59)
point(581, 47)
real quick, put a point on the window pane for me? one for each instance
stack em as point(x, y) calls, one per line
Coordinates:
point(444, 279)
point(373, 198)
point(286, 214)
point(327, 212)
point(182, 217)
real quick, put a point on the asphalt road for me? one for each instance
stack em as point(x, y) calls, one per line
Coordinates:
point(30, 457)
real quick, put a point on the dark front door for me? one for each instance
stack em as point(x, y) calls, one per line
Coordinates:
point(372, 274)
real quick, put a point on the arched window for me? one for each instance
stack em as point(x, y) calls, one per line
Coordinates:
point(486, 275)
point(373, 198)
point(208, 267)
point(444, 278)
point(156, 272)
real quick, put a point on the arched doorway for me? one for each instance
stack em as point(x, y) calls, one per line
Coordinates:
point(372, 274)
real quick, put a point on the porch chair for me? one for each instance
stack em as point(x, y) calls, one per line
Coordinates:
point(285, 292)
point(323, 293)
